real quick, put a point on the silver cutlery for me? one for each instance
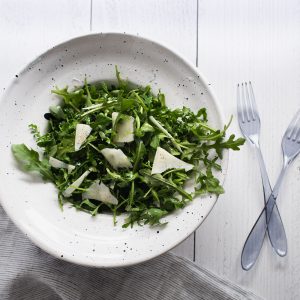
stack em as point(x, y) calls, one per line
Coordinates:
point(249, 122)
point(290, 148)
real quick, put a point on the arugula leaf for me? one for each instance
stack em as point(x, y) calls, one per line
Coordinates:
point(208, 183)
point(150, 216)
point(35, 131)
point(231, 143)
point(29, 161)
point(140, 152)
point(158, 179)
point(75, 99)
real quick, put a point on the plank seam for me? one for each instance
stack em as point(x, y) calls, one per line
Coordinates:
point(91, 15)
point(197, 22)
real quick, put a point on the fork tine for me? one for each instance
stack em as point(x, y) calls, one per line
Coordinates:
point(249, 101)
point(253, 102)
point(240, 107)
point(246, 104)
point(291, 130)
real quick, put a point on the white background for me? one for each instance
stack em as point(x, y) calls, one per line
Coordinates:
point(231, 41)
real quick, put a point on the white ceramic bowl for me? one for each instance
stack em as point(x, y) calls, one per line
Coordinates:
point(32, 204)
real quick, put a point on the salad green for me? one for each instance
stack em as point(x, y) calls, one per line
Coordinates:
point(121, 149)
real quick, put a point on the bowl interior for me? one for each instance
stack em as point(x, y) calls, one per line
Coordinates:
point(32, 204)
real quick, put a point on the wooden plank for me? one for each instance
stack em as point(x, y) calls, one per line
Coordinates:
point(171, 21)
point(259, 41)
point(28, 28)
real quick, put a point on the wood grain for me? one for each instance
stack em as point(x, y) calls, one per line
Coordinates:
point(257, 41)
point(27, 28)
point(172, 22)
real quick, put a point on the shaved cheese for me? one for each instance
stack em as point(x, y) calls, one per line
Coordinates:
point(163, 161)
point(58, 164)
point(70, 168)
point(68, 192)
point(116, 158)
point(114, 116)
point(125, 129)
point(100, 192)
point(82, 132)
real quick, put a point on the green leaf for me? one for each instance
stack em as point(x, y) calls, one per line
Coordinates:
point(127, 104)
point(122, 84)
point(75, 99)
point(155, 142)
point(150, 216)
point(172, 203)
point(140, 152)
point(29, 160)
point(146, 127)
point(161, 99)
point(208, 184)
point(34, 130)
point(158, 179)
point(231, 143)
point(153, 215)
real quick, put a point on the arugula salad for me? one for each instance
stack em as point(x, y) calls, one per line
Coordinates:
point(121, 149)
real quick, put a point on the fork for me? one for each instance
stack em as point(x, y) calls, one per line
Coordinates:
point(249, 123)
point(290, 145)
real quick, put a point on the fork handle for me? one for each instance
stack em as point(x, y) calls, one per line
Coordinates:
point(255, 238)
point(275, 229)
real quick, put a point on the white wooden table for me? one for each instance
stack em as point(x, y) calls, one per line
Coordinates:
point(230, 41)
